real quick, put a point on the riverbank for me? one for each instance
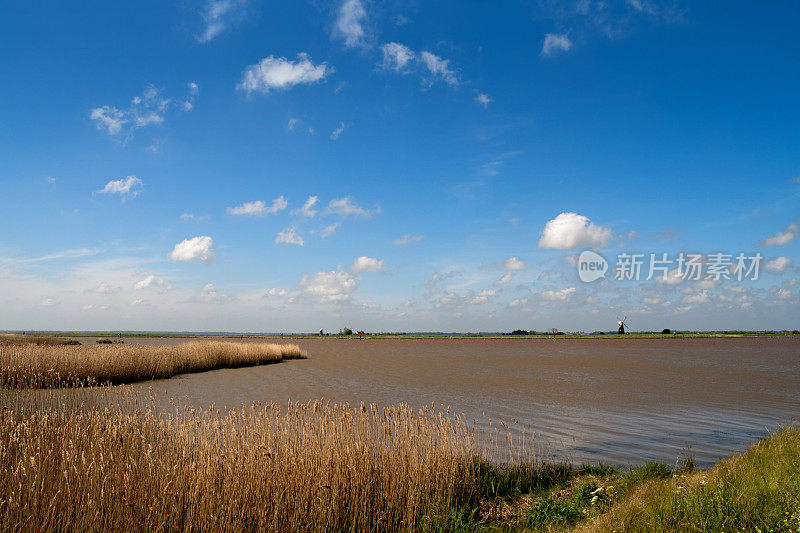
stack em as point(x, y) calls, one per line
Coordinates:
point(325, 467)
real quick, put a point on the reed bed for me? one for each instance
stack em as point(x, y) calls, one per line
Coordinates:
point(301, 467)
point(53, 366)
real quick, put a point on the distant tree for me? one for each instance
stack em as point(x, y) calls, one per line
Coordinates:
point(519, 332)
point(666, 331)
point(345, 331)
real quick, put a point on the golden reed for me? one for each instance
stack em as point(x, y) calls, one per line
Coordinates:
point(47, 366)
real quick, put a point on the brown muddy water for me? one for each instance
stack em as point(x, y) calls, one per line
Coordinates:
point(619, 401)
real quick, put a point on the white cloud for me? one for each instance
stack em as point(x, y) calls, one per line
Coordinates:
point(281, 73)
point(778, 265)
point(696, 298)
point(505, 278)
point(439, 69)
point(147, 109)
point(327, 231)
point(482, 297)
point(289, 236)
point(218, 15)
point(347, 206)
point(518, 302)
point(784, 237)
point(338, 131)
point(783, 294)
point(50, 179)
point(561, 295)
point(150, 281)
point(350, 23)
point(408, 239)
point(396, 56)
point(367, 264)
point(259, 208)
point(333, 286)
point(194, 248)
point(291, 124)
point(673, 277)
point(512, 263)
point(308, 207)
point(275, 292)
point(122, 186)
point(483, 99)
point(48, 302)
point(571, 230)
point(109, 118)
point(555, 43)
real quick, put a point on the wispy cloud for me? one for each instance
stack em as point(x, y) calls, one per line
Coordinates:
point(408, 239)
point(396, 56)
point(289, 236)
point(281, 73)
point(350, 22)
point(337, 132)
point(259, 208)
point(125, 187)
point(484, 100)
point(149, 108)
point(555, 43)
point(347, 206)
point(218, 15)
point(327, 231)
point(782, 237)
point(438, 68)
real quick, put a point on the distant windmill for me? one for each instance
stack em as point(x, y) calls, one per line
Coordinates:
point(621, 322)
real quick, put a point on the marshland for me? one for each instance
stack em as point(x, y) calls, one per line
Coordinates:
point(399, 435)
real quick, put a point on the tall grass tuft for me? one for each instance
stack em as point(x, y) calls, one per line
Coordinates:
point(53, 366)
point(301, 467)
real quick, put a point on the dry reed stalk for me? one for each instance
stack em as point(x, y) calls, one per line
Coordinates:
point(301, 467)
point(45, 366)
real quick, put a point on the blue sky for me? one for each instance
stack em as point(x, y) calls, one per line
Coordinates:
point(395, 166)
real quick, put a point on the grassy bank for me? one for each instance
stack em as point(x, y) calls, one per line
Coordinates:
point(322, 467)
point(51, 365)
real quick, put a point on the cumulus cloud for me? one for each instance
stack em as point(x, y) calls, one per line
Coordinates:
point(408, 239)
point(151, 281)
point(123, 187)
point(560, 295)
point(512, 263)
point(218, 15)
point(571, 230)
point(329, 287)
point(366, 264)
point(337, 132)
point(784, 237)
point(350, 23)
point(673, 277)
point(396, 56)
point(778, 265)
point(518, 302)
point(347, 206)
point(482, 297)
point(276, 292)
point(438, 68)
point(698, 297)
point(555, 43)
point(259, 208)
point(281, 73)
point(194, 248)
point(289, 236)
point(484, 100)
